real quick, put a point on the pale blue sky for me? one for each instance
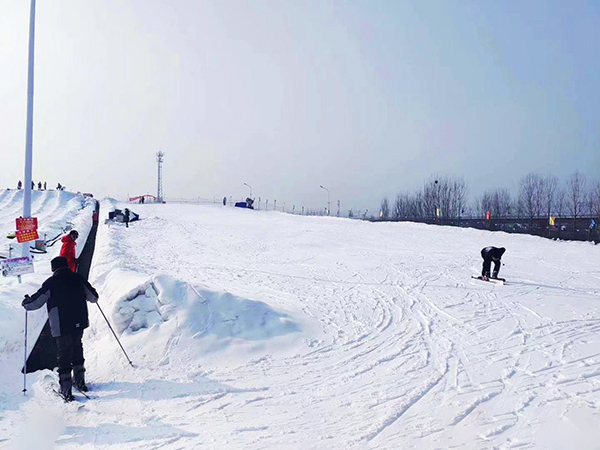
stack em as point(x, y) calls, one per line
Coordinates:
point(367, 98)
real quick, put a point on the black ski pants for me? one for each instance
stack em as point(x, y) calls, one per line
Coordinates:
point(70, 352)
point(487, 264)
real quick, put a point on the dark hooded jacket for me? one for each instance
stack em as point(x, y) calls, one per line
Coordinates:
point(489, 252)
point(65, 294)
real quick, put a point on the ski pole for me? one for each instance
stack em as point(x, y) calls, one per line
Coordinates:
point(25, 359)
point(115, 335)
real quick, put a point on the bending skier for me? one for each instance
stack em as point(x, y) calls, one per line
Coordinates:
point(490, 254)
point(65, 294)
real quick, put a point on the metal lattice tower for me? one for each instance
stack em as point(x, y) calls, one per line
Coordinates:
point(159, 194)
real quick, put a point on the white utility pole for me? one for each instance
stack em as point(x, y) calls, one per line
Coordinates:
point(29, 130)
point(159, 190)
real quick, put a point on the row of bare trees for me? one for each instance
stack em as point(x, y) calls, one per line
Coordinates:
point(543, 197)
point(444, 197)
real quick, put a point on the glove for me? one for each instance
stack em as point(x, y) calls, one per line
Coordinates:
point(25, 300)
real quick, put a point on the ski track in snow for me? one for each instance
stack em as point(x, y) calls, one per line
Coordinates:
point(396, 347)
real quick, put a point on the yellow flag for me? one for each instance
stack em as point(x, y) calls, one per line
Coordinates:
point(438, 212)
point(551, 220)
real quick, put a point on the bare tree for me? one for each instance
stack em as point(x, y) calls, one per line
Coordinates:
point(399, 207)
point(385, 208)
point(418, 205)
point(444, 194)
point(459, 197)
point(576, 196)
point(595, 192)
point(430, 198)
point(502, 203)
point(550, 185)
point(484, 204)
point(530, 196)
point(561, 201)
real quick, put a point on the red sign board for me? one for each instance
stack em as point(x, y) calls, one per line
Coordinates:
point(27, 224)
point(26, 235)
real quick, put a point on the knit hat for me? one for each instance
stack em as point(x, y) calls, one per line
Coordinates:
point(58, 263)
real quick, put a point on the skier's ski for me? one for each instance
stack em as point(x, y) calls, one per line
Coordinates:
point(85, 394)
point(490, 280)
point(74, 402)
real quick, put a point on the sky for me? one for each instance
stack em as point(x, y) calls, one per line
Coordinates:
point(367, 98)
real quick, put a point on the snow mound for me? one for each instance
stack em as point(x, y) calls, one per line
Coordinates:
point(142, 304)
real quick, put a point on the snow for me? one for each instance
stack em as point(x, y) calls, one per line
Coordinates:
point(253, 329)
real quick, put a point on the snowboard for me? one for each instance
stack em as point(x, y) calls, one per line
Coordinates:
point(489, 280)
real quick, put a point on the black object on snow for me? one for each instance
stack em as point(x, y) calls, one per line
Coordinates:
point(119, 216)
point(249, 203)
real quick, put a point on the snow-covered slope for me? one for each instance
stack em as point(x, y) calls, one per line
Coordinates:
point(56, 211)
point(252, 329)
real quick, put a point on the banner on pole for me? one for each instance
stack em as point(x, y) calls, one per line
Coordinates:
point(16, 266)
point(27, 223)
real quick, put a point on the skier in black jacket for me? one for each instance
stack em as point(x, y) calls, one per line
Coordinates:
point(65, 294)
point(490, 254)
point(126, 217)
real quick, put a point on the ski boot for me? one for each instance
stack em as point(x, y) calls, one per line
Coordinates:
point(485, 276)
point(495, 275)
point(66, 384)
point(79, 378)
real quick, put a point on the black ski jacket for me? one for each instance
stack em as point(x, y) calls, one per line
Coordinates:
point(489, 252)
point(65, 294)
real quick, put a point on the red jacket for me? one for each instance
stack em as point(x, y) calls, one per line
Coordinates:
point(68, 251)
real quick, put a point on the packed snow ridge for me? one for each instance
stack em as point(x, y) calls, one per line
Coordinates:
point(254, 329)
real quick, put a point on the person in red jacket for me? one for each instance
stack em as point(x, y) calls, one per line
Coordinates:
point(68, 249)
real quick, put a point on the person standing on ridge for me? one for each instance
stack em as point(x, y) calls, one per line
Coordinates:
point(39, 185)
point(68, 249)
point(19, 185)
point(65, 294)
point(490, 254)
point(126, 217)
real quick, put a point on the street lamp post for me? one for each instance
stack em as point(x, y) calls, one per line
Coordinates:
point(328, 203)
point(29, 129)
point(246, 184)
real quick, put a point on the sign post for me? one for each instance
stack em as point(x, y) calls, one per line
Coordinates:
point(15, 267)
point(26, 232)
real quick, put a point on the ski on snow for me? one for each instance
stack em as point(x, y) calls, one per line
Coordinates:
point(85, 394)
point(500, 281)
point(75, 402)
